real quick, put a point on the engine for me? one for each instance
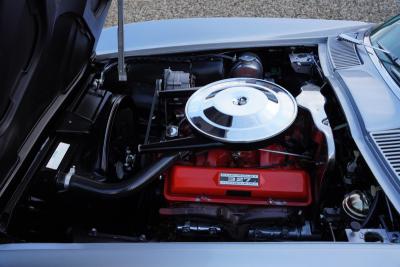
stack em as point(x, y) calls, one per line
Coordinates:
point(241, 114)
point(250, 150)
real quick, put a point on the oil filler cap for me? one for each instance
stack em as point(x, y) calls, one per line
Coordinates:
point(241, 110)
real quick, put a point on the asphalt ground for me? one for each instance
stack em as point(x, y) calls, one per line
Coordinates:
point(361, 10)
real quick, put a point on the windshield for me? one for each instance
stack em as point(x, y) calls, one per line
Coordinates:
point(387, 36)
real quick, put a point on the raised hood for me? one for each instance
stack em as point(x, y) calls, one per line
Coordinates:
point(199, 34)
point(45, 46)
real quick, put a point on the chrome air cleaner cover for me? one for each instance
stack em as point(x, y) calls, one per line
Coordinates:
point(241, 110)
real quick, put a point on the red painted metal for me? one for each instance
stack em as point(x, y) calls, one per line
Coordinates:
point(269, 159)
point(288, 187)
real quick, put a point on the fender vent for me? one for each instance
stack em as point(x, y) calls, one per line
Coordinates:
point(388, 143)
point(343, 54)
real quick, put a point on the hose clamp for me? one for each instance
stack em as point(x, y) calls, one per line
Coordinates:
point(68, 177)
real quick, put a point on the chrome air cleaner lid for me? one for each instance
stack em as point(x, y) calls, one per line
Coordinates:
point(241, 110)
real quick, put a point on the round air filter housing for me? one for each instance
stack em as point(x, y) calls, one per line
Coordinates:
point(241, 110)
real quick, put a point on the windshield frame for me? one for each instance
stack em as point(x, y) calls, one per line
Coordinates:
point(384, 66)
point(381, 60)
point(385, 24)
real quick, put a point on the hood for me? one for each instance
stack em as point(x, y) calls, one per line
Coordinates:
point(45, 46)
point(189, 35)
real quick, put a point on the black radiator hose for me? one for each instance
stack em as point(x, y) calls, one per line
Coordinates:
point(75, 182)
point(372, 209)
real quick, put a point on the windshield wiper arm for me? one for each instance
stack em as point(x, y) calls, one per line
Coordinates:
point(347, 38)
point(395, 60)
point(396, 73)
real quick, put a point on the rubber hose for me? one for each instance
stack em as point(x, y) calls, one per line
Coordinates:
point(371, 209)
point(117, 190)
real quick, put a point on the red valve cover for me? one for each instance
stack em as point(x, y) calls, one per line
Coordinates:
point(238, 186)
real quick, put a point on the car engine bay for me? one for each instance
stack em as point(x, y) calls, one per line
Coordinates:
point(236, 145)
